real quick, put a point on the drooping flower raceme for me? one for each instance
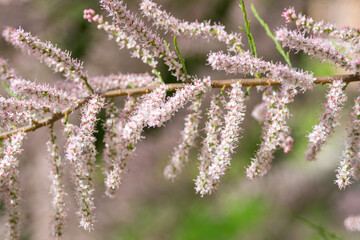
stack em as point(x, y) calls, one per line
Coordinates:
point(193, 29)
point(350, 159)
point(328, 120)
point(245, 63)
point(131, 134)
point(180, 155)
point(209, 145)
point(229, 136)
point(190, 91)
point(114, 126)
point(57, 186)
point(9, 175)
point(81, 153)
point(275, 131)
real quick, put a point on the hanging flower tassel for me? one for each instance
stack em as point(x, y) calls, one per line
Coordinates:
point(81, 152)
point(188, 137)
point(57, 186)
point(229, 137)
point(328, 120)
point(210, 142)
point(10, 182)
point(350, 161)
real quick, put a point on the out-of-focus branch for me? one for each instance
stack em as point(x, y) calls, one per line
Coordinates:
point(172, 87)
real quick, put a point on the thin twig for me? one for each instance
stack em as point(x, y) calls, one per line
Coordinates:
point(172, 87)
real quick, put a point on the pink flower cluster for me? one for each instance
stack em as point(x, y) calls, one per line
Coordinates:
point(180, 154)
point(352, 223)
point(47, 53)
point(114, 146)
point(81, 153)
point(191, 91)
point(209, 144)
point(56, 100)
point(309, 25)
point(122, 81)
point(15, 112)
point(57, 186)
point(131, 134)
point(193, 29)
point(323, 49)
point(245, 63)
point(122, 39)
point(32, 105)
point(349, 164)
point(328, 120)
point(148, 40)
point(207, 182)
point(9, 174)
point(275, 131)
point(341, 46)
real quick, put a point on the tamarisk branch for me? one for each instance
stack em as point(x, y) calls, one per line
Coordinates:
point(172, 87)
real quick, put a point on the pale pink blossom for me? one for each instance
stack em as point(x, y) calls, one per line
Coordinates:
point(350, 159)
point(190, 91)
point(56, 100)
point(9, 176)
point(229, 137)
point(321, 132)
point(122, 81)
point(309, 25)
point(20, 112)
point(57, 187)
point(122, 39)
point(136, 28)
point(180, 154)
point(131, 134)
point(209, 145)
point(47, 53)
point(352, 223)
point(322, 49)
point(275, 131)
point(113, 126)
point(81, 153)
point(193, 29)
point(245, 63)
point(259, 112)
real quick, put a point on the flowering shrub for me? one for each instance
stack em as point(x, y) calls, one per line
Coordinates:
point(30, 105)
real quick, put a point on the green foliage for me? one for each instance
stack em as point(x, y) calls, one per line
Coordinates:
point(271, 35)
point(325, 234)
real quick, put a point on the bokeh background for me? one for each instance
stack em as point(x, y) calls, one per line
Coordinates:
point(296, 200)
